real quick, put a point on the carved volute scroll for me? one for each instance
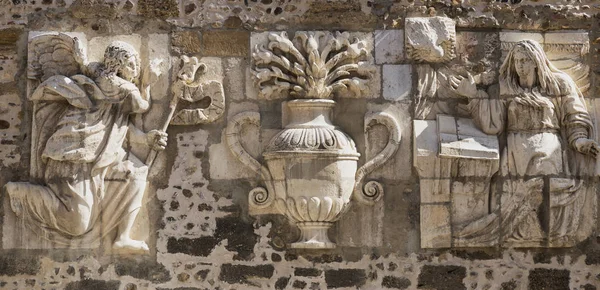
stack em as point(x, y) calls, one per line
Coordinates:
point(311, 67)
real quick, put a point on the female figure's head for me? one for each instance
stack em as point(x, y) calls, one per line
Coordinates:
point(121, 59)
point(527, 67)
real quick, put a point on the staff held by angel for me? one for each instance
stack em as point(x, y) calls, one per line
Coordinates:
point(85, 182)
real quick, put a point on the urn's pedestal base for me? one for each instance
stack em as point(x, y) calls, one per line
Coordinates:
point(314, 236)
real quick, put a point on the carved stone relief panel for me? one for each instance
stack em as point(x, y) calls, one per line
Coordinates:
point(99, 120)
point(311, 171)
point(518, 169)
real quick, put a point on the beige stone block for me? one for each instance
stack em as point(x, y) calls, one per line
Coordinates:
point(434, 189)
point(362, 226)
point(516, 36)
point(425, 138)
point(574, 37)
point(235, 74)
point(470, 200)
point(435, 226)
point(397, 82)
point(389, 46)
point(225, 43)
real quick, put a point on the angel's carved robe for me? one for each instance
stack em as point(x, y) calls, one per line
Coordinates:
point(87, 179)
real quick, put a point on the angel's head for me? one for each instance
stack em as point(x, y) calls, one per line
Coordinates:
point(122, 59)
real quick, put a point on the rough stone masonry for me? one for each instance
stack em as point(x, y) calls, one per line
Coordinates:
point(282, 144)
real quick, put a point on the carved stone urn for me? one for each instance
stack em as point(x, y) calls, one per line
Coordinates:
point(311, 165)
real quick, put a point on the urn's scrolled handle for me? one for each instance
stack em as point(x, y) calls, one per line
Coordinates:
point(259, 197)
point(372, 191)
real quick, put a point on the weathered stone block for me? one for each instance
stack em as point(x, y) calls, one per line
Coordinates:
point(345, 278)
point(442, 277)
point(395, 282)
point(225, 43)
point(93, 285)
point(186, 42)
point(242, 274)
point(435, 226)
point(389, 46)
point(397, 82)
point(542, 278)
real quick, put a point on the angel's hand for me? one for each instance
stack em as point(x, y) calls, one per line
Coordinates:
point(152, 72)
point(157, 140)
point(465, 87)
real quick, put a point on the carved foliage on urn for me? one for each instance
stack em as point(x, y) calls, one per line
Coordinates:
point(312, 65)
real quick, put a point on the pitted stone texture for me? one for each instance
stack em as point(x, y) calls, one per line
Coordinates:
point(225, 43)
point(8, 67)
point(389, 46)
point(221, 13)
point(186, 42)
point(10, 123)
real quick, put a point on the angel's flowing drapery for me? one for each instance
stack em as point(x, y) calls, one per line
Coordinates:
point(87, 181)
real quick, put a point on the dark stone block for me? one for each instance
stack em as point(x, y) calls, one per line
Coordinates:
point(548, 279)
point(510, 285)
point(196, 247)
point(299, 284)
point(442, 277)
point(241, 274)
point(395, 282)
point(589, 287)
point(12, 264)
point(275, 257)
point(147, 270)
point(345, 278)
point(93, 285)
point(201, 275)
point(307, 272)
point(179, 288)
point(239, 234)
point(282, 283)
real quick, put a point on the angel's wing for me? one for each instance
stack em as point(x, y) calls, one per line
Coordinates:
point(54, 54)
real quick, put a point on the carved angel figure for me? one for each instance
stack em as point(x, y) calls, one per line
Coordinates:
point(547, 156)
point(84, 182)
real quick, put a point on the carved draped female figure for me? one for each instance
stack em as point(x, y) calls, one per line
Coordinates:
point(88, 186)
point(548, 151)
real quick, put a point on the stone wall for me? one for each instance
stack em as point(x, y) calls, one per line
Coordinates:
point(199, 225)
